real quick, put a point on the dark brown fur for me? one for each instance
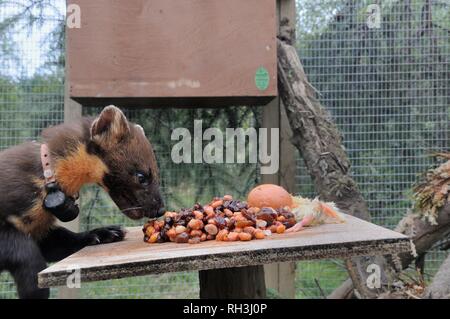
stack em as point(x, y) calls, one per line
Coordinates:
point(108, 151)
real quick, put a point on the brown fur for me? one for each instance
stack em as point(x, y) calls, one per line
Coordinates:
point(79, 168)
point(36, 221)
point(108, 151)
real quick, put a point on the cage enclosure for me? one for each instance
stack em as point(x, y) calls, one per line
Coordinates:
point(173, 53)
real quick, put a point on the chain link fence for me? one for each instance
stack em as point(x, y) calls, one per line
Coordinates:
point(385, 81)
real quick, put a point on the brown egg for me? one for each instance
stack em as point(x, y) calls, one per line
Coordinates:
point(269, 195)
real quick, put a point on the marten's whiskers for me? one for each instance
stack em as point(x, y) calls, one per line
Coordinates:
point(131, 208)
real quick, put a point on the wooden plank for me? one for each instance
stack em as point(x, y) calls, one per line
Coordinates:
point(161, 52)
point(133, 257)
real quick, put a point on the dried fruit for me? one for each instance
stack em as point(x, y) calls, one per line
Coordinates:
point(158, 224)
point(290, 222)
point(231, 222)
point(195, 224)
point(228, 212)
point(182, 238)
point(194, 240)
point(245, 236)
point(153, 238)
point(161, 237)
point(249, 230)
point(149, 231)
point(233, 236)
point(212, 221)
point(267, 214)
point(208, 210)
point(259, 234)
point(171, 232)
point(217, 203)
point(227, 197)
point(222, 235)
point(254, 210)
point(170, 214)
point(224, 219)
point(168, 221)
point(211, 229)
point(195, 233)
point(281, 229)
point(273, 228)
point(261, 223)
point(221, 222)
point(198, 214)
point(180, 229)
point(244, 223)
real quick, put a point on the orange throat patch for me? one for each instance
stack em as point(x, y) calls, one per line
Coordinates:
point(78, 169)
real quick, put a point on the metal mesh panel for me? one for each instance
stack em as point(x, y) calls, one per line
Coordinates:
point(31, 85)
point(388, 89)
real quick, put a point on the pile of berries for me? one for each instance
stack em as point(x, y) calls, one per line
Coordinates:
point(223, 219)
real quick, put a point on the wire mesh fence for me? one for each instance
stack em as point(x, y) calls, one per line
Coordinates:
point(387, 86)
point(386, 83)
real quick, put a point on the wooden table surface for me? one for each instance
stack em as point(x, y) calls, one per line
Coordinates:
point(133, 257)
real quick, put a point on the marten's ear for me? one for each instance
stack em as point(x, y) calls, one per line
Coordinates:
point(110, 126)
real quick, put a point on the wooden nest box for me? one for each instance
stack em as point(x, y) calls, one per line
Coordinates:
point(168, 53)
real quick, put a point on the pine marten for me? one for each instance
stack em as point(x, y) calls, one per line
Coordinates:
point(107, 150)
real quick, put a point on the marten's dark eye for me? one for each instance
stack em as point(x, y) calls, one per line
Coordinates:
point(143, 180)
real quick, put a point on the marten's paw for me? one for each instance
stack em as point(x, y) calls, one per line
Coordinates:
point(106, 235)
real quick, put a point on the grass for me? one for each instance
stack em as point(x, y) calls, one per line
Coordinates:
point(316, 279)
point(167, 286)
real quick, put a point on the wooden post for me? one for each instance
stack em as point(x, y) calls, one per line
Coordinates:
point(281, 276)
point(72, 112)
point(233, 283)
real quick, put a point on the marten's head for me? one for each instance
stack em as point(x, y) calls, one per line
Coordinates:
point(131, 177)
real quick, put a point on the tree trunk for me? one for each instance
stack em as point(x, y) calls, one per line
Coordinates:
point(423, 234)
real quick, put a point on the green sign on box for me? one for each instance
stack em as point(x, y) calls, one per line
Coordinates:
point(262, 78)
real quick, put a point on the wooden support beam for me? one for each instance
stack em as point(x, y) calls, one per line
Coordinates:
point(281, 276)
point(232, 283)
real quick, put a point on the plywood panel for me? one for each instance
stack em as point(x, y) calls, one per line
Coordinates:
point(133, 257)
point(173, 52)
